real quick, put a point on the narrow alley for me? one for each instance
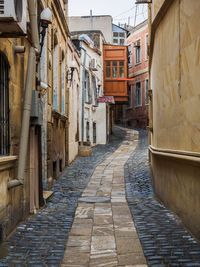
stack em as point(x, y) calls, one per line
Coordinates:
point(103, 213)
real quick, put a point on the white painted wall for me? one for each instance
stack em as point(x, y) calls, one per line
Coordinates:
point(74, 106)
point(95, 114)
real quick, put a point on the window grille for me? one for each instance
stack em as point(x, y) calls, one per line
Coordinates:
point(4, 107)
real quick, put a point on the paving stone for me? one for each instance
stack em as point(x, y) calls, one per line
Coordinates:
point(128, 245)
point(132, 258)
point(102, 243)
point(103, 230)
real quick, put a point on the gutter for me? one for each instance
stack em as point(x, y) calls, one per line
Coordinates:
point(30, 79)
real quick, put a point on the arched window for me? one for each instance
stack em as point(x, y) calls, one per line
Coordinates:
point(4, 106)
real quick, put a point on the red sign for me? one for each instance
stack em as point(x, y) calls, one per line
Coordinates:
point(106, 99)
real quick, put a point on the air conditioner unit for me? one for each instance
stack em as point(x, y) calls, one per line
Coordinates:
point(143, 1)
point(12, 18)
point(137, 43)
point(93, 64)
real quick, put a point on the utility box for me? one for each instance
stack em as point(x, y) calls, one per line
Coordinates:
point(36, 109)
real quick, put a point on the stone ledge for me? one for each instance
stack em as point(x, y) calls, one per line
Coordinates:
point(7, 162)
point(84, 151)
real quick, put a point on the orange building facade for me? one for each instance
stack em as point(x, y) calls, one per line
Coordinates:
point(115, 72)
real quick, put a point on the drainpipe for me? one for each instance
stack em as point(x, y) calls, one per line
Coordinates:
point(83, 92)
point(30, 79)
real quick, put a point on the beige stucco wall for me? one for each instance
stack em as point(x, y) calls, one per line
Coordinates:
point(14, 203)
point(175, 83)
point(102, 23)
point(175, 79)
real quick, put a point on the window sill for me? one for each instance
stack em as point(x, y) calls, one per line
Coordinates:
point(136, 64)
point(140, 106)
point(7, 162)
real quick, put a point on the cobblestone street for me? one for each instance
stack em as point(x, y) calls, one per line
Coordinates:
point(87, 222)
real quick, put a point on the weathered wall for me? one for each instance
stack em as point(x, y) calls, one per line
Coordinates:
point(102, 23)
point(14, 203)
point(176, 119)
point(57, 110)
point(75, 98)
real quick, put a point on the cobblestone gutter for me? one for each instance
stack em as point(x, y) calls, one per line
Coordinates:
point(165, 242)
point(41, 240)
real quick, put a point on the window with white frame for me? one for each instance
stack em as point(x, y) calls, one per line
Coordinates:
point(138, 95)
point(146, 91)
point(137, 52)
point(94, 91)
point(87, 86)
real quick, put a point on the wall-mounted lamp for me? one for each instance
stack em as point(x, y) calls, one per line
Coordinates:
point(70, 72)
point(45, 20)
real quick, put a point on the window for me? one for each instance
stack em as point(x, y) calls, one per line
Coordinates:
point(121, 41)
point(55, 74)
point(121, 69)
point(115, 34)
point(146, 52)
point(87, 87)
point(94, 89)
point(147, 92)
point(108, 70)
point(115, 41)
point(114, 69)
point(129, 56)
point(4, 107)
point(138, 95)
point(121, 34)
point(88, 131)
point(94, 132)
point(129, 97)
point(138, 51)
point(63, 82)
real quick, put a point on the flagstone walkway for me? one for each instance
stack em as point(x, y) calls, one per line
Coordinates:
point(103, 232)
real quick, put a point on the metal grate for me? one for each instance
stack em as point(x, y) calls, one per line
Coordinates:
point(1, 6)
point(4, 106)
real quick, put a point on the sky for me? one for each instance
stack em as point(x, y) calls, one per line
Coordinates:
point(122, 11)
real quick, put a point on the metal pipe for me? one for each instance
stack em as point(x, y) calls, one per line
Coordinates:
point(30, 78)
point(34, 25)
point(19, 49)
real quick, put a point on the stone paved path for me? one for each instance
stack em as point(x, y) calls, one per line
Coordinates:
point(165, 242)
point(103, 232)
point(41, 240)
